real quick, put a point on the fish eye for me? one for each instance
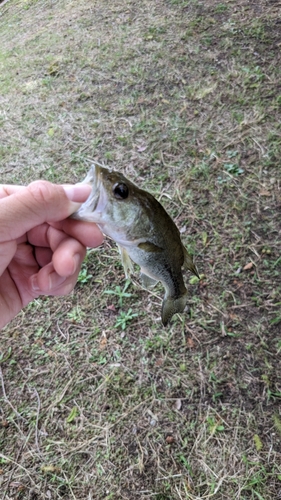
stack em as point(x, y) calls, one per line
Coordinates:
point(120, 191)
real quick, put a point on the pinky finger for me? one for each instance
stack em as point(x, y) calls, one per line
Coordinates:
point(48, 282)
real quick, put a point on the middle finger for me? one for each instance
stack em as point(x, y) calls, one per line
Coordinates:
point(46, 236)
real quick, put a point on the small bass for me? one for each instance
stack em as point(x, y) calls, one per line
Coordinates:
point(143, 231)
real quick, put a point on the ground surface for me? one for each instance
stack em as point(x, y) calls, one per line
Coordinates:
point(184, 97)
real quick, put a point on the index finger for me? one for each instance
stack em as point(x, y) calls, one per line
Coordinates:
point(35, 204)
point(87, 233)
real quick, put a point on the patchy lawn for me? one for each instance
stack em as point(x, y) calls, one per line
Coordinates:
point(184, 97)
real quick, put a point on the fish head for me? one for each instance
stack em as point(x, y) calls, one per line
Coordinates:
point(114, 202)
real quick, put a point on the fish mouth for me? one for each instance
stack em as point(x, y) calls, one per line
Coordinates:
point(87, 209)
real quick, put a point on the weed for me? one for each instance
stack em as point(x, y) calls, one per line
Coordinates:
point(221, 7)
point(83, 276)
point(76, 314)
point(125, 318)
point(4, 356)
point(119, 292)
point(214, 425)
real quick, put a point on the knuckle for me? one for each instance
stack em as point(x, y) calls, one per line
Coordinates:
point(42, 192)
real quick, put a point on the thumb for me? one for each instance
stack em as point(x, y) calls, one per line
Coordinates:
point(39, 202)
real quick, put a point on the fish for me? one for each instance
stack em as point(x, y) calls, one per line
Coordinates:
point(144, 232)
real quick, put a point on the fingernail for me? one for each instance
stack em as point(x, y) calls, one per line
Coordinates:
point(34, 283)
point(76, 262)
point(55, 280)
point(78, 193)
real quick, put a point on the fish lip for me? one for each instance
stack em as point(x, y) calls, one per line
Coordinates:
point(93, 178)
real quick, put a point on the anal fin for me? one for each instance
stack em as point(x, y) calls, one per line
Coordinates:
point(147, 281)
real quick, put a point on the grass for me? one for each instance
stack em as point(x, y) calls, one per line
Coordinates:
point(99, 401)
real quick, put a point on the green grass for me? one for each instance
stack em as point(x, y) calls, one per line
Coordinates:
point(99, 400)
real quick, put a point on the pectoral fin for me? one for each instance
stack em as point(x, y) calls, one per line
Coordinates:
point(189, 264)
point(147, 246)
point(126, 261)
point(171, 306)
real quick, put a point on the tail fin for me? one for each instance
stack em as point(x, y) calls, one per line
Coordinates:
point(171, 306)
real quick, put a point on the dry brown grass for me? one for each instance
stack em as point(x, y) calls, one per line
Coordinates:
point(184, 98)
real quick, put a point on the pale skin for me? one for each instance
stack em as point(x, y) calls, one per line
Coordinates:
point(41, 250)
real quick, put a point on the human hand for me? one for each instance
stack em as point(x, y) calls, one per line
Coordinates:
point(41, 251)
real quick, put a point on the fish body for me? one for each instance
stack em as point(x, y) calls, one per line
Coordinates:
point(144, 232)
